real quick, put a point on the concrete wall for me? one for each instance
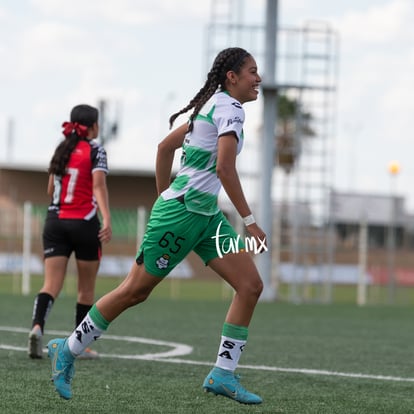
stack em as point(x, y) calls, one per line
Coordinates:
point(126, 189)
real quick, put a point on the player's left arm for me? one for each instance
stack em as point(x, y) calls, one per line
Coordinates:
point(100, 191)
point(227, 172)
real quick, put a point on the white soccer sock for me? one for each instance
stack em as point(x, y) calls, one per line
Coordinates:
point(86, 332)
point(229, 353)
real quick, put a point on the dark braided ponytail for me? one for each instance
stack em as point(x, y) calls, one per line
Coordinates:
point(228, 59)
point(84, 115)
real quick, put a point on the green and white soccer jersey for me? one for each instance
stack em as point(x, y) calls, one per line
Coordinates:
point(197, 180)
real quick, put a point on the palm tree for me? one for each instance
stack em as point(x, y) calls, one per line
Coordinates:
point(291, 120)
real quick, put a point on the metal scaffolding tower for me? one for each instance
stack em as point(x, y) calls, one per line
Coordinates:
point(311, 53)
point(307, 60)
point(224, 13)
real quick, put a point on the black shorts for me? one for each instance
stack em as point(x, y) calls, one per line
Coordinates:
point(61, 237)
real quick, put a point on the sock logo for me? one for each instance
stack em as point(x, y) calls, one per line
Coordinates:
point(86, 327)
point(227, 345)
point(78, 335)
point(226, 354)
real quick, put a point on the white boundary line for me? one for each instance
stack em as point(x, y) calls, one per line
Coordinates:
point(182, 349)
point(177, 348)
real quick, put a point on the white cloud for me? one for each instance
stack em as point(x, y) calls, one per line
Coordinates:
point(48, 47)
point(400, 93)
point(131, 12)
point(3, 13)
point(121, 11)
point(379, 25)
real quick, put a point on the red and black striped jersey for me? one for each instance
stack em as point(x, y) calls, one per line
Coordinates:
point(73, 194)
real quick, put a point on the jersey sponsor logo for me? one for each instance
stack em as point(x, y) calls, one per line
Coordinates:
point(235, 120)
point(237, 105)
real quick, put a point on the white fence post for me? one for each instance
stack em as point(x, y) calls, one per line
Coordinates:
point(27, 245)
point(362, 267)
point(141, 224)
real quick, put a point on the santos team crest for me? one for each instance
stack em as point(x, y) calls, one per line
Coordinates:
point(163, 261)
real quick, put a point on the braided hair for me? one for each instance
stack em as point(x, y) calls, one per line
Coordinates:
point(83, 115)
point(228, 59)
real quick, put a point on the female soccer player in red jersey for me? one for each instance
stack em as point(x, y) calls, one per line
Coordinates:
point(77, 186)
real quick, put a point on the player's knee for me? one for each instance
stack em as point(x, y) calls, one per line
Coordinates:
point(251, 288)
point(136, 299)
point(257, 288)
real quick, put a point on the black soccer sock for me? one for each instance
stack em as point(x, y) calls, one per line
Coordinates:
point(81, 312)
point(42, 305)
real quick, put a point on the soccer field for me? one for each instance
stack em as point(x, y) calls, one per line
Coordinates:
point(300, 358)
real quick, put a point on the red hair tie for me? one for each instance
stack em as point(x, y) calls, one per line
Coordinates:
point(80, 130)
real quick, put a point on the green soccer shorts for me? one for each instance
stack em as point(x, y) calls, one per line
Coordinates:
point(173, 232)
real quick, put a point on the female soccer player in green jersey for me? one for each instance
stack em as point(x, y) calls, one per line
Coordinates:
point(185, 218)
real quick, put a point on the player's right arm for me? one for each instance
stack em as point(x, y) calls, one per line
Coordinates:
point(165, 156)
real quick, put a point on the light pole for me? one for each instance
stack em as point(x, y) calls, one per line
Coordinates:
point(393, 169)
point(264, 261)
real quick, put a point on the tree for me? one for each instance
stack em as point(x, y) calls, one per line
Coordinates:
point(293, 123)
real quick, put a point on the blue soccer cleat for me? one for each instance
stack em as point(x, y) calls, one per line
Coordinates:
point(62, 367)
point(222, 382)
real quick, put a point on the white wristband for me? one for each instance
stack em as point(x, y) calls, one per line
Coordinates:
point(248, 220)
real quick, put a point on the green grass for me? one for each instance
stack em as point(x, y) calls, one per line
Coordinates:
point(171, 288)
point(216, 290)
point(373, 340)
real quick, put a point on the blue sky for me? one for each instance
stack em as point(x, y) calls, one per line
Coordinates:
point(147, 59)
